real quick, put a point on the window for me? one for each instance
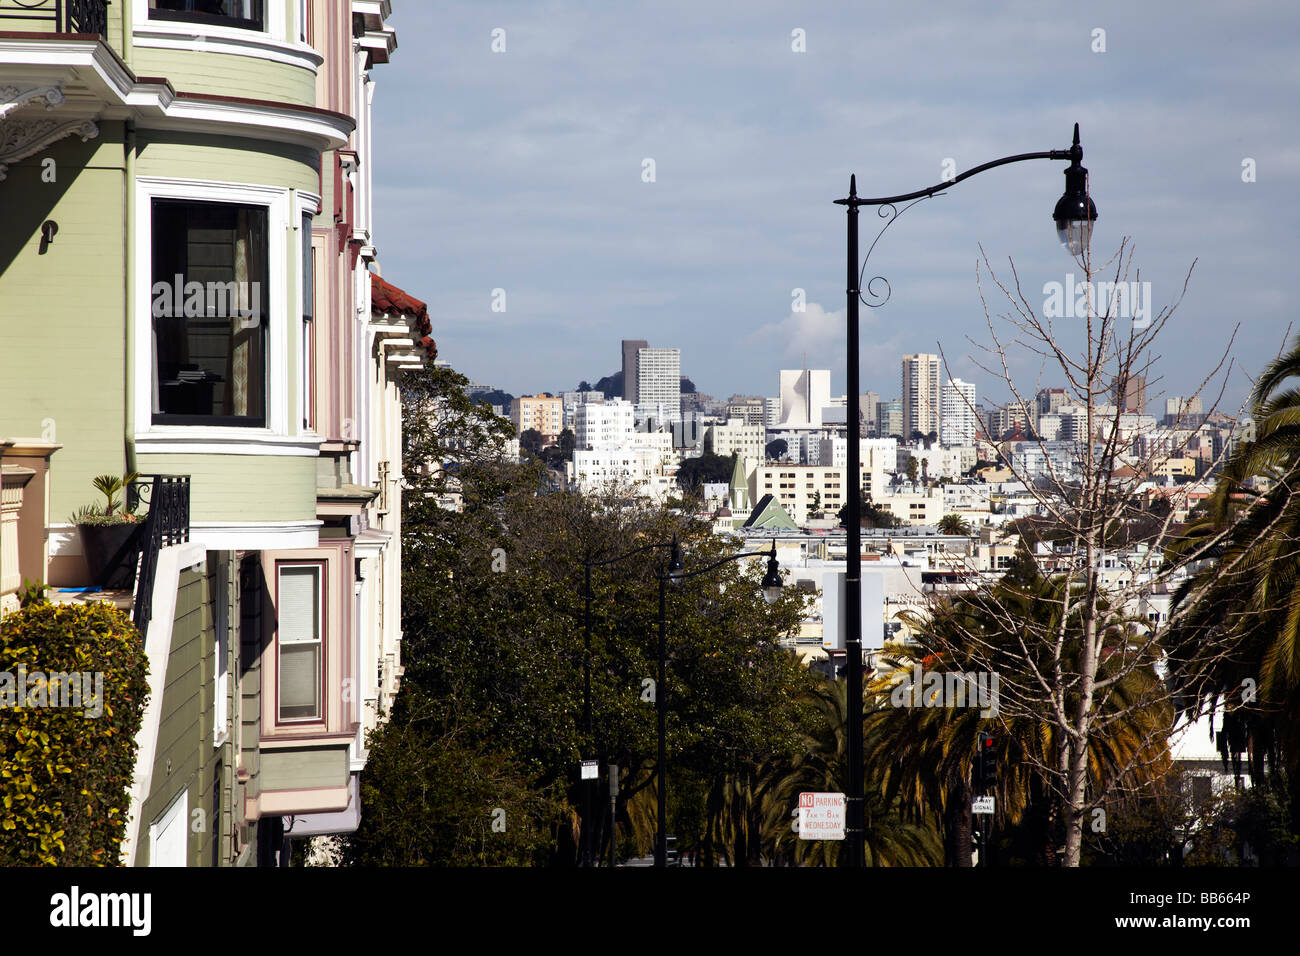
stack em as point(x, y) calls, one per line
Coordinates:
point(245, 14)
point(301, 644)
point(209, 303)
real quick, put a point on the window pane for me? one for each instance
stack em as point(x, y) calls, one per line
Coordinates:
point(299, 681)
point(209, 303)
point(299, 605)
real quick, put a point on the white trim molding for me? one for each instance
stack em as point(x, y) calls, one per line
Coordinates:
point(276, 201)
point(107, 90)
point(204, 440)
point(255, 535)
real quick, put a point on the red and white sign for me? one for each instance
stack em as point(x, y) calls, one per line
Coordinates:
point(821, 816)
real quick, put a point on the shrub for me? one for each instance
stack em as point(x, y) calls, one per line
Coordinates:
point(65, 771)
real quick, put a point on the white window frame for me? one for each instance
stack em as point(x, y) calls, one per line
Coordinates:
point(321, 567)
point(227, 438)
point(305, 204)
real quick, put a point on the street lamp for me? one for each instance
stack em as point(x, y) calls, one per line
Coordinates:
point(1074, 215)
point(585, 853)
point(675, 572)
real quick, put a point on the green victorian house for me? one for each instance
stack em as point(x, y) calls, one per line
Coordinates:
point(189, 291)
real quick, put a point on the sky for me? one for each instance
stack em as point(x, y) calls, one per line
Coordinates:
point(522, 169)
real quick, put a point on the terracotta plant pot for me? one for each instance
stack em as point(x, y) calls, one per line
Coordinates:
point(111, 551)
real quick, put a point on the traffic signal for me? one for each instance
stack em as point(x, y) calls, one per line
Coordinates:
point(986, 762)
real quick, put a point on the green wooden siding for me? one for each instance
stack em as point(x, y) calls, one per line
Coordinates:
point(242, 488)
point(228, 74)
point(226, 159)
point(62, 312)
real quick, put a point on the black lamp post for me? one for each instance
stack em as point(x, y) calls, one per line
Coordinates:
point(1074, 215)
point(676, 573)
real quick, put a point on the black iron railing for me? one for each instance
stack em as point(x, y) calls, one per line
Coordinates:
point(167, 523)
point(63, 16)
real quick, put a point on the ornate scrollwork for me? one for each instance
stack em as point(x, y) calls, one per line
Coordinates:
point(13, 97)
point(889, 212)
point(22, 138)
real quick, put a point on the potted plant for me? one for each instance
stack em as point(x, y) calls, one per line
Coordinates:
point(110, 534)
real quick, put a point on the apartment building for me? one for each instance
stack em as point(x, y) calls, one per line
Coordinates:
point(155, 155)
point(604, 425)
point(735, 437)
point(920, 394)
point(957, 419)
point(543, 412)
point(804, 490)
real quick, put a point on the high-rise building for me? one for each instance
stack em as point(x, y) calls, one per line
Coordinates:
point(630, 348)
point(603, 425)
point(920, 394)
point(889, 418)
point(867, 402)
point(804, 393)
point(1050, 400)
point(1183, 411)
point(1131, 393)
point(659, 382)
point(957, 421)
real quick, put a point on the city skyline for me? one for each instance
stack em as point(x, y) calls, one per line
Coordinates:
point(751, 141)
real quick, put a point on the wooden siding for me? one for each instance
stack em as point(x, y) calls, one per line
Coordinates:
point(228, 74)
point(241, 488)
point(62, 312)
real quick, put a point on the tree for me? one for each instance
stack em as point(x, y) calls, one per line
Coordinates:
point(1247, 601)
point(873, 515)
point(585, 386)
point(776, 450)
point(911, 469)
point(705, 469)
point(1087, 496)
point(954, 524)
point(490, 711)
point(611, 384)
point(927, 743)
point(530, 441)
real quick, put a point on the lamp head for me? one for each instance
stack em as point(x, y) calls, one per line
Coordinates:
point(772, 579)
point(1075, 212)
point(675, 567)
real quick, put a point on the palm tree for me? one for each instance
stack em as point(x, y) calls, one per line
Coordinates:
point(1239, 620)
point(890, 838)
point(954, 524)
point(926, 753)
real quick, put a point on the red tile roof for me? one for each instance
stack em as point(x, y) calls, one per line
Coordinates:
point(388, 298)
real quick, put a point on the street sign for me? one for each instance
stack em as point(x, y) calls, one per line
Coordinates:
point(982, 805)
point(590, 769)
point(821, 816)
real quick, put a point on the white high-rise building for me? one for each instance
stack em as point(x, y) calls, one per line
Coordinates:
point(804, 393)
point(957, 419)
point(659, 381)
point(920, 394)
point(603, 425)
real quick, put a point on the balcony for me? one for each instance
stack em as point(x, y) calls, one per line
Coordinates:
point(55, 16)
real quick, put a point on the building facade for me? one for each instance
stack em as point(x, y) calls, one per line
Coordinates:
point(920, 394)
point(206, 178)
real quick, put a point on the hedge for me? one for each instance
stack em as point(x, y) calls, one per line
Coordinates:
point(65, 770)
